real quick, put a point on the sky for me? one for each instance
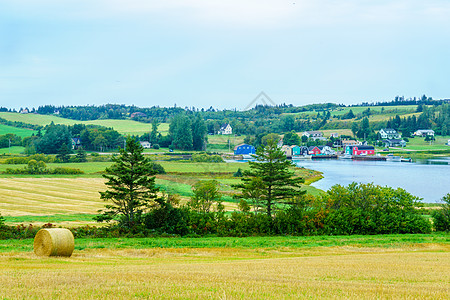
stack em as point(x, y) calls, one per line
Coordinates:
point(221, 53)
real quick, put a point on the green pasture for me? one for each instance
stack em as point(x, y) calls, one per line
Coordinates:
point(419, 143)
point(266, 242)
point(22, 132)
point(87, 167)
point(35, 119)
point(122, 126)
point(56, 218)
point(12, 150)
point(396, 110)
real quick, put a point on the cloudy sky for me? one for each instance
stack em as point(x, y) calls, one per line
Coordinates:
point(221, 53)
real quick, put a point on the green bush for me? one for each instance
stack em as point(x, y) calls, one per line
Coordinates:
point(39, 168)
point(158, 168)
point(371, 209)
point(441, 217)
point(167, 219)
point(203, 157)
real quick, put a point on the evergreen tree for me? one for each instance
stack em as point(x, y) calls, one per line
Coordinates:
point(276, 183)
point(64, 153)
point(131, 186)
point(81, 155)
point(53, 139)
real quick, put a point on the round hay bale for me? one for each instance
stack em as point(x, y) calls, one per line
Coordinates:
point(54, 242)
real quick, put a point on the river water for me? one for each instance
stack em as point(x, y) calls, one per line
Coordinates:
point(427, 179)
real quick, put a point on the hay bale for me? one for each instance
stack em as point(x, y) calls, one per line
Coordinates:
point(54, 242)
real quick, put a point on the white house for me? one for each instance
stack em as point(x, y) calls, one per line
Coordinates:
point(389, 133)
point(334, 135)
point(313, 134)
point(146, 145)
point(424, 132)
point(448, 143)
point(225, 129)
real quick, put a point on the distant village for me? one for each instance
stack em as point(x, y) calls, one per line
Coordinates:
point(335, 146)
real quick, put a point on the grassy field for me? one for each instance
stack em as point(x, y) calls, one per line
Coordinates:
point(22, 132)
point(12, 150)
point(355, 267)
point(122, 126)
point(419, 143)
point(399, 110)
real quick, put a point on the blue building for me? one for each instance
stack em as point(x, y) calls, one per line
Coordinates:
point(244, 149)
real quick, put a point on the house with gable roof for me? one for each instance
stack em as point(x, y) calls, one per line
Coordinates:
point(225, 129)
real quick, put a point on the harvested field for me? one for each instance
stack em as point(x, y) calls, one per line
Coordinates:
point(47, 196)
point(418, 272)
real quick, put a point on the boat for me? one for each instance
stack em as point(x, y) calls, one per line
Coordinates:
point(391, 157)
point(406, 159)
point(346, 156)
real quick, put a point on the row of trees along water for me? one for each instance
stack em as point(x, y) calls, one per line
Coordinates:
point(270, 201)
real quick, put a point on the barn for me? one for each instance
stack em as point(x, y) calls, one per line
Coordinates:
point(244, 149)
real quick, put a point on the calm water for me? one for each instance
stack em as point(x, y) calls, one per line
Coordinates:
point(428, 179)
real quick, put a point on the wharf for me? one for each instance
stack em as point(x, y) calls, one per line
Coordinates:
point(369, 157)
point(334, 156)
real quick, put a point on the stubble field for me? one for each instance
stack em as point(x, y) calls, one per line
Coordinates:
point(408, 271)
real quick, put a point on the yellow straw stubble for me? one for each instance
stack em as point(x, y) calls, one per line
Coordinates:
point(54, 242)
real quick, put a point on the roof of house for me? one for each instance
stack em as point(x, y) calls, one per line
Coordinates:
point(393, 140)
point(389, 130)
point(314, 132)
point(240, 145)
point(349, 142)
point(312, 148)
point(138, 114)
point(224, 126)
point(363, 147)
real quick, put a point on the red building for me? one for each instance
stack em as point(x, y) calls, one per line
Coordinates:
point(360, 150)
point(314, 150)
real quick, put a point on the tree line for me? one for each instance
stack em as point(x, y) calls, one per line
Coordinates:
point(270, 201)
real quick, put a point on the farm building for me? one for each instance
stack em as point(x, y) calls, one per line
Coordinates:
point(394, 143)
point(424, 132)
point(146, 145)
point(360, 150)
point(138, 114)
point(313, 134)
point(244, 149)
